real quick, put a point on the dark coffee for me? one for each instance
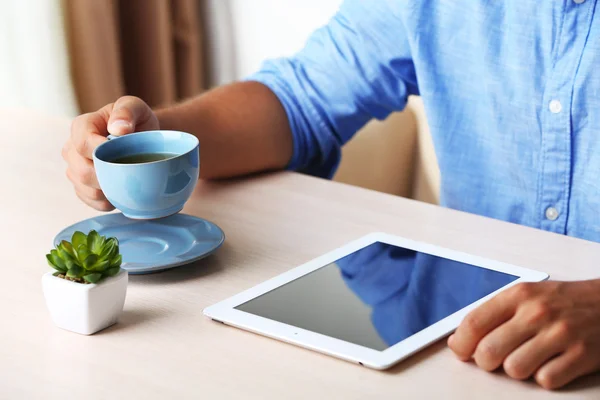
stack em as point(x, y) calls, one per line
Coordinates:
point(142, 158)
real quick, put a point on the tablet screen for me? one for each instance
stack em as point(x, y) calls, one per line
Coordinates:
point(378, 295)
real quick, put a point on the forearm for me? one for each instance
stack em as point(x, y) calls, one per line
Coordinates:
point(242, 129)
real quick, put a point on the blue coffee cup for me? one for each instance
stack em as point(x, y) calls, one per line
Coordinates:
point(149, 190)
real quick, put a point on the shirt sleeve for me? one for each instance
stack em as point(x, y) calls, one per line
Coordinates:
point(355, 68)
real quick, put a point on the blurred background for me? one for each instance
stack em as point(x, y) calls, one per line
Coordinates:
point(67, 57)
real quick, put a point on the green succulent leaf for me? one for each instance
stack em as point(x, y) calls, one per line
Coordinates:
point(63, 255)
point(82, 253)
point(101, 244)
point(116, 262)
point(109, 257)
point(100, 266)
point(109, 250)
point(65, 250)
point(79, 239)
point(50, 262)
point(90, 261)
point(92, 278)
point(57, 273)
point(53, 264)
point(90, 256)
point(75, 272)
point(70, 264)
point(94, 242)
point(56, 261)
point(56, 257)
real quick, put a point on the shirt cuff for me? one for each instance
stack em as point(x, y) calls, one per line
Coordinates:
point(313, 154)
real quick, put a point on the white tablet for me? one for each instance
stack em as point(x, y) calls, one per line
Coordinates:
point(374, 301)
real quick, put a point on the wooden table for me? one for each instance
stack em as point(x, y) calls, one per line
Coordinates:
point(163, 347)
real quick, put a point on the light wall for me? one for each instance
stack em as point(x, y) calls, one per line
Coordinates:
point(248, 32)
point(34, 62)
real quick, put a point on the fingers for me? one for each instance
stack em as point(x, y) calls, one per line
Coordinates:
point(88, 131)
point(487, 317)
point(493, 349)
point(90, 193)
point(479, 323)
point(100, 205)
point(81, 170)
point(130, 114)
point(551, 335)
point(127, 115)
point(524, 361)
point(572, 364)
point(529, 319)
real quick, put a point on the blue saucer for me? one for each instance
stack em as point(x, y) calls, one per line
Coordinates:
point(151, 246)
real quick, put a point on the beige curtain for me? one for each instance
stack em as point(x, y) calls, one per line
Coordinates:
point(147, 48)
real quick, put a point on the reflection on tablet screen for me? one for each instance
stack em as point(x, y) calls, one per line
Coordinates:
point(377, 296)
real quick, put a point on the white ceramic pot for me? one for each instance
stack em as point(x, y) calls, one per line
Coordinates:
point(85, 308)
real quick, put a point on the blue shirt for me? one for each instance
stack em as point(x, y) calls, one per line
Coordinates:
point(511, 90)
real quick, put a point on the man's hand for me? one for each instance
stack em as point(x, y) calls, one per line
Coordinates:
point(88, 131)
point(549, 330)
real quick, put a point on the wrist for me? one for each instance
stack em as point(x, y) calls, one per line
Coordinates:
point(185, 117)
point(162, 117)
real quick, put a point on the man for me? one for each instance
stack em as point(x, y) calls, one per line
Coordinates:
point(512, 92)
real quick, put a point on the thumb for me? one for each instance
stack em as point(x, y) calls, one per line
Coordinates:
point(130, 114)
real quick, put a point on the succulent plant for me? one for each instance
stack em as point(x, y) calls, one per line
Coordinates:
point(87, 258)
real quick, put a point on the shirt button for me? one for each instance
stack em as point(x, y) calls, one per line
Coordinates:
point(551, 213)
point(578, 1)
point(555, 106)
